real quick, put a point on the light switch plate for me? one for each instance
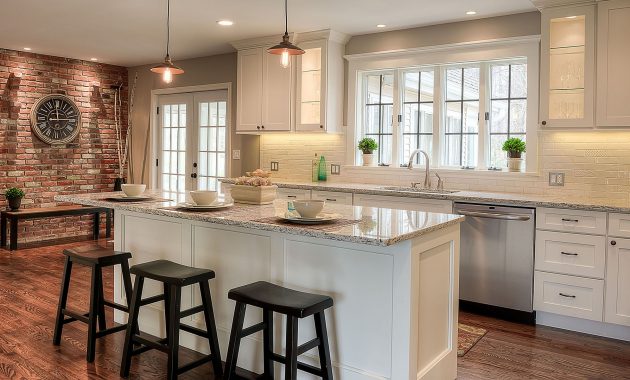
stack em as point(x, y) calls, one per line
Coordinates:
point(556, 179)
point(275, 166)
point(335, 169)
point(236, 154)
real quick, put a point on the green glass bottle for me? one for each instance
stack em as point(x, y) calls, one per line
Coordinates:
point(321, 172)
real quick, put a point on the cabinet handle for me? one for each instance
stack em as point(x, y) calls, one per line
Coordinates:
point(291, 196)
point(569, 253)
point(544, 122)
point(566, 295)
point(331, 199)
point(570, 220)
point(613, 242)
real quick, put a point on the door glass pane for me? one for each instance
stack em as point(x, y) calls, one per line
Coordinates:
point(172, 167)
point(212, 145)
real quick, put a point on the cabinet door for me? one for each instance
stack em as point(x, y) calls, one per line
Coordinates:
point(276, 99)
point(617, 307)
point(403, 203)
point(249, 94)
point(311, 88)
point(568, 67)
point(613, 54)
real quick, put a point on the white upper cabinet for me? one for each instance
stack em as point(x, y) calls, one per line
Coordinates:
point(264, 95)
point(568, 67)
point(613, 55)
point(319, 82)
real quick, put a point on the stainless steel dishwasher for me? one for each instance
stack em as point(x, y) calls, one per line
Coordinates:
point(497, 256)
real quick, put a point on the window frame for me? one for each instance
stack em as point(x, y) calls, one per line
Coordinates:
point(482, 52)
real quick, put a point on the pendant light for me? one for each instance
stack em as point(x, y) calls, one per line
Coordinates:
point(167, 68)
point(285, 48)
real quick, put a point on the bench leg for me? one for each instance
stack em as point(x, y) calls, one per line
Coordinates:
point(108, 223)
point(14, 234)
point(3, 225)
point(97, 225)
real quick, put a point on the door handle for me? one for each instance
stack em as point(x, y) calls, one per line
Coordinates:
point(193, 175)
point(491, 215)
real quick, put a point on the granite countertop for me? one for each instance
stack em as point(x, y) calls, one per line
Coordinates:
point(373, 226)
point(587, 204)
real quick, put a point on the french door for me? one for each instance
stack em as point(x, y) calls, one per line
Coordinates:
point(192, 141)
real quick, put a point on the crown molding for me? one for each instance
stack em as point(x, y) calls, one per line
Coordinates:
point(542, 4)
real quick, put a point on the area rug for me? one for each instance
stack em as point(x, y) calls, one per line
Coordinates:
point(467, 337)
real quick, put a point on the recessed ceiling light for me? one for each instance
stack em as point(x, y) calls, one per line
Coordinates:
point(94, 59)
point(471, 13)
point(381, 25)
point(28, 49)
point(225, 22)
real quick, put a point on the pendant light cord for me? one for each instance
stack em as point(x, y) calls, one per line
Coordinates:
point(168, 25)
point(286, 18)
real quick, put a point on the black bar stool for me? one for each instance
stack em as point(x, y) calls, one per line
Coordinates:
point(295, 305)
point(97, 258)
point(174, 277)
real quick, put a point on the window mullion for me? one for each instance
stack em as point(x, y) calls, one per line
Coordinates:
point(397, 110)
point(483, 149)
point(438, 116)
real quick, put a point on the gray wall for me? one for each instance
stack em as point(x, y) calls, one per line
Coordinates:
point(198, 71)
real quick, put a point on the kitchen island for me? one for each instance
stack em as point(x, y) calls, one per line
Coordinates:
point(393, 275)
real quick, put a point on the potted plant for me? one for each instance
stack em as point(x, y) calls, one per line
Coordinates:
point(14, 197)
point(368, 146)
point(515, 148)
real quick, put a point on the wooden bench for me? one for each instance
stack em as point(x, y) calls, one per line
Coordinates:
point(50, 212)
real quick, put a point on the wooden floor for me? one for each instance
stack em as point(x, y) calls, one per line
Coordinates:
point(29, 289)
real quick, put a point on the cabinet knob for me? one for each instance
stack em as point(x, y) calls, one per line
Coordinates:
point(258, 127)
point(263, 127)
point(544, 122)
point(321, 126)
point(612, 242)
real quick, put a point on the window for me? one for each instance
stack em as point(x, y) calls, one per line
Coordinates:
point(379, 105)
point(459, 114)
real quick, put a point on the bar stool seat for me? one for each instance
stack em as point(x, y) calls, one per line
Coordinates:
point(97, 258)
point(295, 305)
point(173, 277)
point(280, 300)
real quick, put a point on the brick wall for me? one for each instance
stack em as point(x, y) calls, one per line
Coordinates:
point(86, 165)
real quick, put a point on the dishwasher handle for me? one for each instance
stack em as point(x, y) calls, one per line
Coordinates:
point(492, 215)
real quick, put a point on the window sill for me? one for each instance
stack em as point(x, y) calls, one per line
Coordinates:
point(451, 171)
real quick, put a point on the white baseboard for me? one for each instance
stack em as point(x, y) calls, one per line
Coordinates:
point(607, 330)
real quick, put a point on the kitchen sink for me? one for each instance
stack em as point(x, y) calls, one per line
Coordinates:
point(418, 190)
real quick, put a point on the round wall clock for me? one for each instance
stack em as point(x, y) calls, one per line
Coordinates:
point(55, 119)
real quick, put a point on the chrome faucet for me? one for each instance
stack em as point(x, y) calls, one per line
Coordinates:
point(427, 176)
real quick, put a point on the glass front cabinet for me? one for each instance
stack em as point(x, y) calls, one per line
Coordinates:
point(568, 67)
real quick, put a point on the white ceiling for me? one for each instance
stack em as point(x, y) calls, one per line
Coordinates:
point(132, 32)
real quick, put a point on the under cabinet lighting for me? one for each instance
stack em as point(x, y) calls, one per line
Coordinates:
point(93, 59)
point(571, 17)
point(381, 25)
point(27, 49)
point(471, 13)
point(225, 22)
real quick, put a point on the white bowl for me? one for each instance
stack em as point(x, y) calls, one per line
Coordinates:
point(132, 190)
point(203, 197)
point(308, 208)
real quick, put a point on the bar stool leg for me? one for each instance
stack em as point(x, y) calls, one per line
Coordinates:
point(211, 328)
point(268, 344)
point(102, 323)
point(63, 298)
point(167, 309)
point(235, 341)
point(126, 278)
point(323, 348)
point(290, 367)
point(132, 326)
point(92, 316)
point(175, 294)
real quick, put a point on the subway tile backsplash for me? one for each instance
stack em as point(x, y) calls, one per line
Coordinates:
point(596, 165)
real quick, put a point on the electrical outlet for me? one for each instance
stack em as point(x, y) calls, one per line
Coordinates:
point(275, 166)
point(556, 179)
point(236, 154)
point(335, 169)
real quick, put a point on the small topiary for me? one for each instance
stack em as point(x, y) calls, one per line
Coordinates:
point(514, 147)
point(367, 145)
point(13, 193)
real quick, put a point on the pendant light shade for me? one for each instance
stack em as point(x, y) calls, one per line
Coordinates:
point(285, 48)
point(167, 68)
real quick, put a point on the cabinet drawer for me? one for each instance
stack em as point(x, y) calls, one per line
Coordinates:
point(288, 194)
point(333, 197)
point(581, 255)
point(414, 204)
point(619, 225)
point(568, 295)
point(554, 219)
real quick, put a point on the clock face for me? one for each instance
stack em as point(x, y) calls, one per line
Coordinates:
point(55, 119)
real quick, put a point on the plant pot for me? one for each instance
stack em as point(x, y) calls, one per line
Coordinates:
point(253, 195)
point(14, 203)
point(118, 184)
point(516, 164)
point(514, 154)
point(368, 159)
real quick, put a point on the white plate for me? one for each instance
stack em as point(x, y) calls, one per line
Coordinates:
point(213, 206)
point(319, 219)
